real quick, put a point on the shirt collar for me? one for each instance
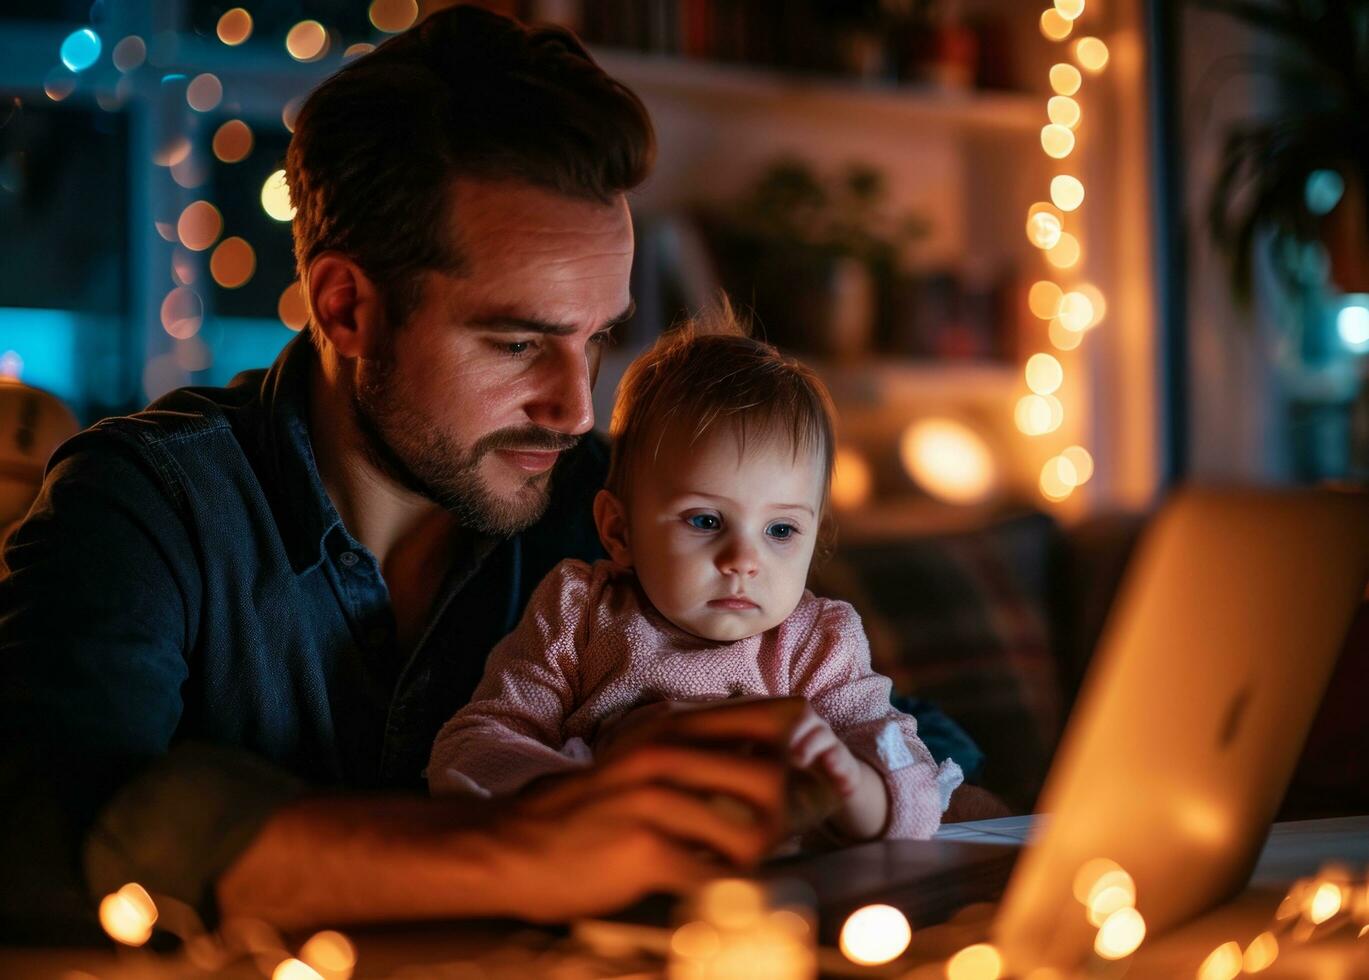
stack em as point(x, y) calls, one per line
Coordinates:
point(304, 512)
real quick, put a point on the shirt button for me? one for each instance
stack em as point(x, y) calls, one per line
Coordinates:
point(348, 559)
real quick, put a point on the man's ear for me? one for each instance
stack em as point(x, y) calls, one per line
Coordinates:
point(346, 306)
point(610, 517)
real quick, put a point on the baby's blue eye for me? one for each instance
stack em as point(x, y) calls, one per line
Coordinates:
point(782, 531)
point(704, 522)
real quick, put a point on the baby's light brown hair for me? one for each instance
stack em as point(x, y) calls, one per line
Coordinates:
point(708, 372)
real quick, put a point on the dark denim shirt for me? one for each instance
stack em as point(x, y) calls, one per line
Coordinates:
point(190, 636)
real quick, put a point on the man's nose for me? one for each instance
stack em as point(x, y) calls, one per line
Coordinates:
point(563, 402)
point(738, 556)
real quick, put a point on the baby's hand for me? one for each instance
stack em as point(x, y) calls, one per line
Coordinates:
point(815, 746)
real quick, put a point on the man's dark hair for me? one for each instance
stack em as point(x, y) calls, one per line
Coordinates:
point(465, 93)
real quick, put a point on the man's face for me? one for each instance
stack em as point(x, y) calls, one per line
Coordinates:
point(721, 539)
point(489, 379)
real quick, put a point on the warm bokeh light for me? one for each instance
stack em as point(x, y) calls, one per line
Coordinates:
point(1325, 902)
point(1063, 111)
point(393, 16)
point(275, 197)
point(1070, 9)
point(981, 961)
point(182, 313)
point(1076, 311)
point(173, 151)
point(695, 941)
point(232, 263)
point(1120, 935)
point(1067, 192)
point(1113, 878)
point(1223, 963)
point(875, 934)
point(190, 172)
point(293, 969)
point(129, 53)
point(1057, 140)
point(183, 269)
point(357, 50)
point(1083, 471)
point(1107, 900)
point(1054, 26)
point(1044, 299)
point(1091, 53)
point(199, 226)
point(1090, 876)
point(1044, 229)
point(235, 26)
point(331, 954)
point(1062, 337)
point(292, 308)
point(81, 49)
point(1036, 415)
point(732, 903)
point(1044, 374)
point(1260, 954)
point(949, 460)
point(307, 41)
point(852, 480)
point(289, 113)
point(128, 915)
point(1066, 252)
point(233, 141)
point(1065, 79)
point(59, 83)
point(204, 93)
point(1096, 300)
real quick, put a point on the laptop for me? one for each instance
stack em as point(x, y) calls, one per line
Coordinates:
point(1210, 670)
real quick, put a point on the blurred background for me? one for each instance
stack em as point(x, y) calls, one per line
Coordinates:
point(1051, 257)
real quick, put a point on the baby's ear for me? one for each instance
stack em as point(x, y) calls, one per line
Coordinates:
point(610, 518)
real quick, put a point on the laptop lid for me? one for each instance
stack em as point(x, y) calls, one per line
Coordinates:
point(1208, 675)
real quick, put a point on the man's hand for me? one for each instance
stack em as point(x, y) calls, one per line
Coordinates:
point(663, 811)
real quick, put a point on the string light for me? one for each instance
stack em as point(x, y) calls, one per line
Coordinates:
point(1063, 111)
point(1091, 53)
point(199, 226)
point(330, 954)
point(981, 961)
point(234, 27)
point(292, 308)
point(1070, 9)
point(1044, 374)
point(1082, 462)
point(129, 53)
point(1055, 26)
point(1075, 312)
point(128, 915)
point(1067, 192)
point(307, 41)
point(1044, 229)
point(851, 479)
point(1062, 338)
point(1044, 299)
point(1260, 954)
point(1065, 253)
point(1057, 140)
point(875, 934)
point(232, 141)
point(1122, 933)
point(1065, 79)
point(1223, 963)
point(393, 16)
point(204, 93)
point(275, 197)
point(232, 263)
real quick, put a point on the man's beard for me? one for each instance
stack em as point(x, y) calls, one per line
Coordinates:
point(417, 455)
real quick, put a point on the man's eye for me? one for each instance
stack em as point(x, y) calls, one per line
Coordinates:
point(705, 522)
point(782, 531)
point(516, 347)
point(604, 338)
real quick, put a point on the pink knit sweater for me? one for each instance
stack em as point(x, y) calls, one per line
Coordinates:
point(591, 647)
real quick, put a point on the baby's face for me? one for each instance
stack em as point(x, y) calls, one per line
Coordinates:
point(721, 540)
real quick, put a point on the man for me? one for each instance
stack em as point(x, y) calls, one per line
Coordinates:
point(230, 616)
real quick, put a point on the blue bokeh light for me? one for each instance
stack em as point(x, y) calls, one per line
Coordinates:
point(81, 49)
point(1323, 191)
point(1352, 323)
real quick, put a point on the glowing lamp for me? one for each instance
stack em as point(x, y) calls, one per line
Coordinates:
point(949, 460)
point(875, 934)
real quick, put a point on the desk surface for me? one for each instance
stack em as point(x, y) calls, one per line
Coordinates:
point(472, 950)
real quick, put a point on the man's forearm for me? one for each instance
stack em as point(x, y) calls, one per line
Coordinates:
point(366, 859)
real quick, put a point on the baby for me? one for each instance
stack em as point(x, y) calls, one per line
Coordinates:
point(717, 489)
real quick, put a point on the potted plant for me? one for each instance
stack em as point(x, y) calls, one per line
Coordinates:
point(1280, 171)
